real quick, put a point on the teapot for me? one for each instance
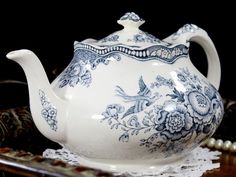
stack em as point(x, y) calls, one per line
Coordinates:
point(129, 100)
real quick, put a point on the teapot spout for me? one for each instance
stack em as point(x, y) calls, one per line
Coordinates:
point(47, 109)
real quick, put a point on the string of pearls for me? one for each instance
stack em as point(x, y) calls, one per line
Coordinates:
point(221, 145)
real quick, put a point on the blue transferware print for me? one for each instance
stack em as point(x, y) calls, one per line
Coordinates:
point(161, 81)
point(185, 29)
point(131, 16)
point(132, 21)
point(110, 38)
point(145, 37)
point(49, 112)
point(143, 99)
point(138, 93)
point(87, 58)
point(79, 70)
point(136, 38)
point(155, 52)
point(186, 116)
point(76, 73)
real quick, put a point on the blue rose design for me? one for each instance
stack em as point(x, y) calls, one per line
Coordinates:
point(173, 121)
point(113, 111)
point(203, 105)
point(199, 102)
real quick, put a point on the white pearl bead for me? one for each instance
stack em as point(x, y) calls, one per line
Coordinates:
point(233, 147)
point(211, 142)
point(218, 144)
point(226, 145)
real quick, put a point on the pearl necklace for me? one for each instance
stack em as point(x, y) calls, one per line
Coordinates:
point(221, 145)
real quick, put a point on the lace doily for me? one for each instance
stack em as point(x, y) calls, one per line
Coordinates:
point(194, 165)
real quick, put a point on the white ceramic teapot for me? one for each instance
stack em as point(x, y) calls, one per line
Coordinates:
point(129, 99)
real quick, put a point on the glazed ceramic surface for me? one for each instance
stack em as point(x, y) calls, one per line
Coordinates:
point(128, 97)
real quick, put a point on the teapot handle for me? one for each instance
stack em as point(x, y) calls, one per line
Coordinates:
point(193, 33)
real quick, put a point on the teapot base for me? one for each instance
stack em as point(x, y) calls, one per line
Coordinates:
point(132, 166)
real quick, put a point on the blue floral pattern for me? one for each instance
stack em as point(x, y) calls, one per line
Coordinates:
point(87, 58)
point(110, 38)
point(49, 112)
point(79, 70)
point(88, 55)
point(187, 28)
point(145, 37)
point(132, 20)
point(131, 16)
point(185, 117)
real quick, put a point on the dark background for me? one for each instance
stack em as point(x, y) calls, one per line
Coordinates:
point(50, 28)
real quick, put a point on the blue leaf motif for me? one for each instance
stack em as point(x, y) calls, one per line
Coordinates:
point(209, 91)
point(135, 132)
point(109, 121)
point(124, 129)
point(115, 126)
point(177, 95)
point(148, 130)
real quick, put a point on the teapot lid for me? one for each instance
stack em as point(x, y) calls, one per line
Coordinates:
point(130, 35)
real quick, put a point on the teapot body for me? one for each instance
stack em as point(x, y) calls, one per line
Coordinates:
point(128, 98)
point(129, 104)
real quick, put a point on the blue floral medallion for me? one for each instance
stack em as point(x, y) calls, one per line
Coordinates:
point(49, 112)
point(192, 115)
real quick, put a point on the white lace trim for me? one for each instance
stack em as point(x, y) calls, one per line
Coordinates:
point(194, 165)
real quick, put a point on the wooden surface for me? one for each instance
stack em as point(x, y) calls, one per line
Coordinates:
point(227, 166)
point(20, 163)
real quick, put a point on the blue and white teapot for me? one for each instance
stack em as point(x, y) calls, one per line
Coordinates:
point(128, 100)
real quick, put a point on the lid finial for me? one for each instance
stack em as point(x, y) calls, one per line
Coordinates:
point(130, 20)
